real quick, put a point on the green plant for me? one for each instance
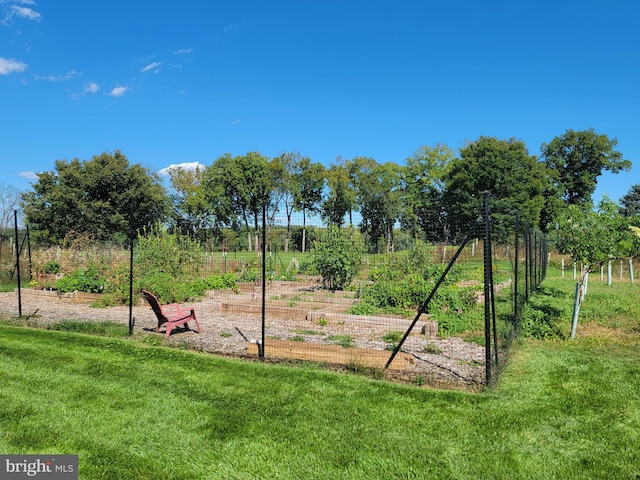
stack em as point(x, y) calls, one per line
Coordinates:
point(337, 257)
point(393, 336)
point(52, 267)
point(297, 338)
point(170, 253)
point(222, 282)
point(362, 308)
point(91, 280)
point(432, 348)
point(308, 332)
point(345, 341)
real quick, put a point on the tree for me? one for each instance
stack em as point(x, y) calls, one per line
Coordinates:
point(104, 197)
point(502, 167)
point(191, 211)
point(423, 180)
point(237, 187)
point(9, 202)
point(285, 186)
point(340, 199)
point(593, 238)
point(630, 203)
point(308, 184)
point(578, 159)
point(378, 195)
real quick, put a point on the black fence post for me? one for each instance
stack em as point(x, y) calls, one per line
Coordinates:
point(29, 252)
point(516, 269)
point(131, 235)
point(264, 276)
point(488, 290)
point(15, 219)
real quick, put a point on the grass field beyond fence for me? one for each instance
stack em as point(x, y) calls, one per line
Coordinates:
point(131, 410)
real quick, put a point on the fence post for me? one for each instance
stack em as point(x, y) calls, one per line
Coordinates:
point(516, 269)
point(131, 235)
point(264, 276)
point(487, 290)
point(15, 219)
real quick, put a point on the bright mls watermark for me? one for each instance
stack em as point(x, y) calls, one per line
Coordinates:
point(50, 467)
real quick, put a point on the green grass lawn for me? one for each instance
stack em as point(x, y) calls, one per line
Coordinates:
point(563, 409)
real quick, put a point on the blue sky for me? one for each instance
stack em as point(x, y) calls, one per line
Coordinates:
point(172, 83)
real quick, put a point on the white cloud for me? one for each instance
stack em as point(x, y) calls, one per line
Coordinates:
point(10, 65)
point(183, 51)
point(59, 78)
point(184, 166)
point(118, 91)
point(151, 66)
point(235, 122)
point(91, 87)
point(24, 12)
point(29, 174)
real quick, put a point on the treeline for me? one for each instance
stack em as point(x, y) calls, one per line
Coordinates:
point(434, 195)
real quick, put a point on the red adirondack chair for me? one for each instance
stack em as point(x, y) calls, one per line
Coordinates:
point(172, 314)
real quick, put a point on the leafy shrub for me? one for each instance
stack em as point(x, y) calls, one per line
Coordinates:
point(222, 282)
point(172, 253)
point(251, 274)
point(363, 308)
point(540, 322)
point(337, 256)
point(168, 290)
point(392, 337)
point(452, 322)
point(91, 280)
point(52, 267)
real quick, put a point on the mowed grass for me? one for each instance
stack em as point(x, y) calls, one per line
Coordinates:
point(563, 409)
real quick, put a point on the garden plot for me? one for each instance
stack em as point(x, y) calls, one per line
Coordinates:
point(311, 303)
point(302, 322)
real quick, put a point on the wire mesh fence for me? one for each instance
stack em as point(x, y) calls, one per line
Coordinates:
point(439, 312)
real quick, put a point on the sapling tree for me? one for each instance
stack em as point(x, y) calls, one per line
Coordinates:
point(593, 238)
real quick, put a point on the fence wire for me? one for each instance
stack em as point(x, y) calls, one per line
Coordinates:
point(438, 312)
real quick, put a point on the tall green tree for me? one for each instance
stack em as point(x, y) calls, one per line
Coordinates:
point(423, 180)
point(283, 167)
point(577, 159)
point(236, 189)
point(308, 182)
point(340, 197)
point(103, 197)
point(378, 189)
point(504, 168)
point(191, 212)
point(630, 202)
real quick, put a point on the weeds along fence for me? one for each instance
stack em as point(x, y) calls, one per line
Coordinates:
point(431, 313)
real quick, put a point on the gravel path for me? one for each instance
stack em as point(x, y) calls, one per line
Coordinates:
point(449, 363)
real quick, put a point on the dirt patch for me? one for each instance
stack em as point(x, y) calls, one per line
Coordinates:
point(450, 363)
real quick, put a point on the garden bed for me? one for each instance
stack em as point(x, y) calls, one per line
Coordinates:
point(69, 297)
